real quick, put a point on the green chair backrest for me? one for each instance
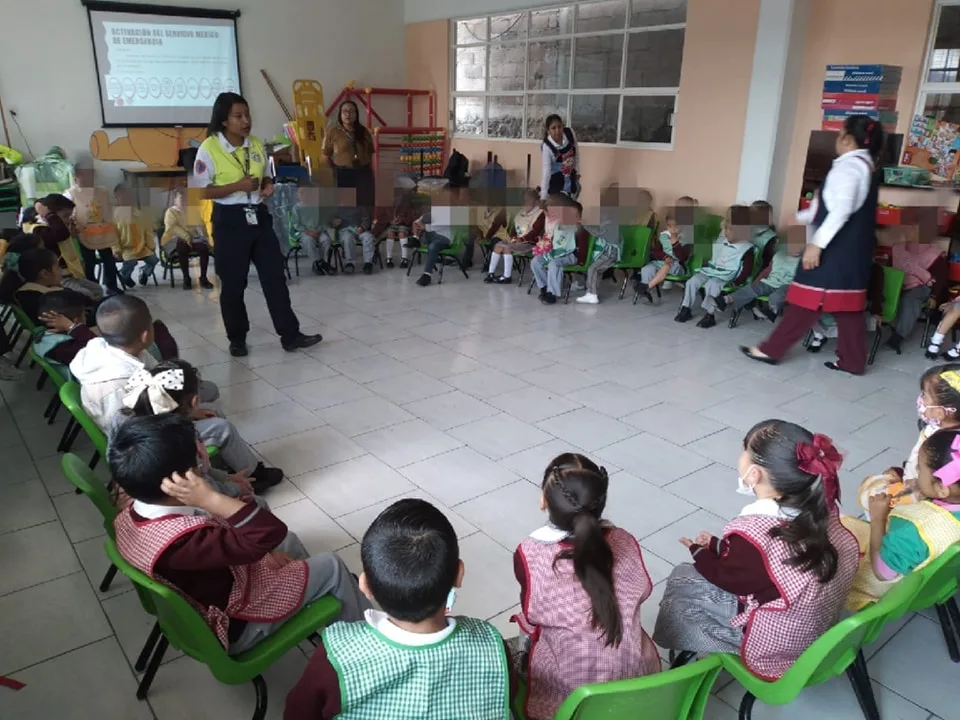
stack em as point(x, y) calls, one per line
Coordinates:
point(941, 579)
point(892, 286)
point(70, 397)
point(292, 238)
point(457, 242)
point(679, 693)
point(182, 625)
point(836, 649)
point(706, 228)
point(84, 479)
point(58, 374)
point(22, 318)
point(636, 245)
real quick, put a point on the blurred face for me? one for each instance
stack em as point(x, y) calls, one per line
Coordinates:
point(845, 143)
point(760, 215)
point(348, 114)
point(645, 201)
point(123, 197)
point(346, 197)
point(555, 131)
point(238, 121)
point(179, 200)
point(51, 277)
point(529, 200)
point(84, 177)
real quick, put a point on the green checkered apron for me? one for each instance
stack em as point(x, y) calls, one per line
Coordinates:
point(464, 676)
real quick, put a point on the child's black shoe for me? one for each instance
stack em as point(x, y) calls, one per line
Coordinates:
point(264, 477)
point(707, 321)
point(489, 278)
point(424, 280)
point(684, 315)
point(368, 268)
point(721, 302)
point(895, 343)
point(548, 298)
point(390, 264)
point(404, 264)
point(318, 268)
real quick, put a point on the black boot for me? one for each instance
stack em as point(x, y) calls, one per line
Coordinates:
point(684, 315)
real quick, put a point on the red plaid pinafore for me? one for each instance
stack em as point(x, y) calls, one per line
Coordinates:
point(262, 592)
point(778, 632)
point(565, 650)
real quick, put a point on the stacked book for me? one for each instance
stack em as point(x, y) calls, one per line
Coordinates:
point(860, 90)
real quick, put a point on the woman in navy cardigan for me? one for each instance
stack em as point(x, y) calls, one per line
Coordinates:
point(835, 269)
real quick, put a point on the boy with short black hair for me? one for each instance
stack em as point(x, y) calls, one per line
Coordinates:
point(103, 367)
point(66, 333)
point(412, 656)
point(40, 270)
point(229, 556)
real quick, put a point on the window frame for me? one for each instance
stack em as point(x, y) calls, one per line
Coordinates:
point(926, 88)
point(625, 32)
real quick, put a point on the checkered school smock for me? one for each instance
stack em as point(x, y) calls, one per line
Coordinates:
point(262, 592)
point(566, 651)
point(465, 675)
point(778, 632)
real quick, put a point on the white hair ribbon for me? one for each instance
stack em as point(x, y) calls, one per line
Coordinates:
point(156, 387)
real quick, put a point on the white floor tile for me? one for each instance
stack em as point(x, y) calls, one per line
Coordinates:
point(298, 454)
point(450, 409)
point(79, 516)
point(612, 399)
point(666, 542)
point(23, 505)
point(489, 587)
point(406, 443)
point(507, 514)
point(713, 487)
point(370, 368)
point(487, 383)
point(316, 530)
point(35, 555)
point(674, 424)
point(458, 475)
point(132, 625)
point(48, 620)
point(360, 416)
point(408, 387)
point(652, 459)
point(226, 374)
point(299, 371)
point(356, 523)
point(444, 364)
point(95, 564)
point(275, 421)
point(352, 485)
point(91, 682)
point(327, 392)
point(587, 428)
point(642, 508)
point(533, 404)
point(722, 447)
point(499, 436)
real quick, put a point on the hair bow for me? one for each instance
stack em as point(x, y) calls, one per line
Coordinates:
point(821, 458)
point(952, 378)
point(156, 387)
point(949, 474)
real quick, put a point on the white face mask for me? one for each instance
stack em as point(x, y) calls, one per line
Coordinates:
point(743, 488)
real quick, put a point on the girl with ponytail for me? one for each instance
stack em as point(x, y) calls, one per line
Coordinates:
point(582, 582)
point(780, 573)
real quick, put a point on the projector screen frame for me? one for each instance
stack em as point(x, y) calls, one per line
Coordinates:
point(169, 10)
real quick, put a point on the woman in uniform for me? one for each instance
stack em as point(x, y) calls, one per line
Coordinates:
point(230, 168)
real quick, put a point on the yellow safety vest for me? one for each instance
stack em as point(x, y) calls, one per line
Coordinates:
point(231, 167)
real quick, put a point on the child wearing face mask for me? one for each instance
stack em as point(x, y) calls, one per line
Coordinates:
point(904, 538)
point(778, 577)
point(938, 407)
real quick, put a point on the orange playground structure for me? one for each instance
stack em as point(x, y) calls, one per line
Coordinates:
point(421, 148)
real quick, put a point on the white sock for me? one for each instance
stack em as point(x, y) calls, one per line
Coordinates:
point(818, 337)
point(390, 242)
point(494, 259)
point(507, 265)
point(936, 338)
point(404, 251)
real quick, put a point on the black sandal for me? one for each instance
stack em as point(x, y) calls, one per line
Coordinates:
point(764, 359)
point(833, 365)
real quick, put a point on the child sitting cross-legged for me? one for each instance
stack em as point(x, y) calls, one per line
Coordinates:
point(231, 558)
point(582, 582)
point(669, 256)
point(901, 538)
point(564, 242)
point(724, 266)
point(412, 659)
point(779, 576)
point(104, 367)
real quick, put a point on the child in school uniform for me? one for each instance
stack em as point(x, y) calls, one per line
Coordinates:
point(582, 582)
point(229, 556)
point(724, 266)
point(826, 326)
point(772, 282)
point(308, 226)
point(349, 224)
point(106, 364)
point(136, 240)
point(607, 244)
point(526, 229)
point(778, 577)
point(41, 273)
point(396, 228)
point(181, 237)
point(435, 228)
point(63, 317)
point(55, 228)
point(567, 241)
point(903, 537)
point(411, 658)
point(93, 224)
point(670, 254)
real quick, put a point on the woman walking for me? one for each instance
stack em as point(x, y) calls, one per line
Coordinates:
point(835, 268)
point(230, 168)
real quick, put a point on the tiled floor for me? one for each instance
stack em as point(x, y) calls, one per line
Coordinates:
point(459, 394)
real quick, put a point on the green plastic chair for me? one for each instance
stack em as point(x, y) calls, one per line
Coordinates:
point(635, 252)
point(941, 580)
point(293, 241)
point(679, 693)
point(184, 628)
point(892, 287)
point(57, 373)
point(70, 397)
point(836, 651)
point(449, 256)
point(23, 325)
point(570, 270)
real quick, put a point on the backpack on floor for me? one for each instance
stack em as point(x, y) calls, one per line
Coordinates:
point(458, 169)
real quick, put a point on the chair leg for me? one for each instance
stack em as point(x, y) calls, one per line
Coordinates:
point(152, 668)
point(51, 407)
point(949, 629)
point(860, 680)
point(93, 460)
point(735, 318)
point(463, 268)
point(568, 281)
point(41, 381)
point(746, 706)
point(148, 647)
point(23, 353)
point(533, 281)
point(623, 286)
point(876, 345)
point(260, 685)
point(682, 658)
point(108, 578)
point(56, 409)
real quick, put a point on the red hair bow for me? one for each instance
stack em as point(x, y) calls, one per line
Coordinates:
point(821, 458)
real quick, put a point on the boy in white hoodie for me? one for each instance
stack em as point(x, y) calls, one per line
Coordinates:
point(105, 365)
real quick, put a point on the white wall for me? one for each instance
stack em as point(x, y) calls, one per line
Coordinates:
point(422, 10)
point(48, 75)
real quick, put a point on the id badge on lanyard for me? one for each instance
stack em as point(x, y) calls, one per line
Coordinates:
point(249, 211)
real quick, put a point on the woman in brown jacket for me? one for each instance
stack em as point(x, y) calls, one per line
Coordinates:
point(348, 147)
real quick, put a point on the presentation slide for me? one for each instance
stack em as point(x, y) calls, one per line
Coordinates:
point(162, 69)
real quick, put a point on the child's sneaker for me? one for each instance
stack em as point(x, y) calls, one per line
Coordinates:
point(589, 299)
point(667, 285)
